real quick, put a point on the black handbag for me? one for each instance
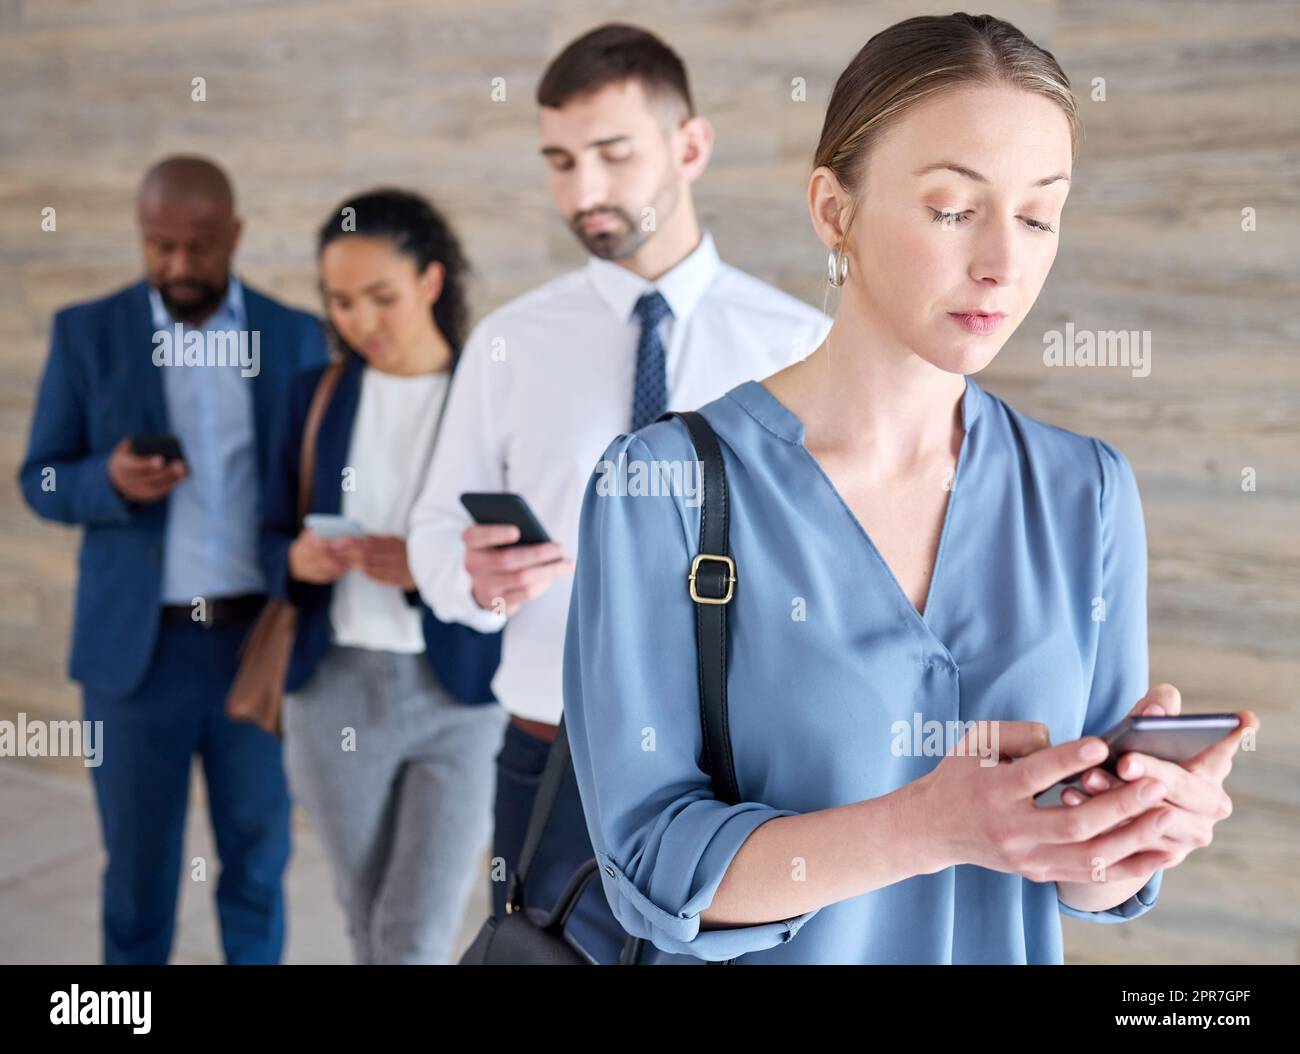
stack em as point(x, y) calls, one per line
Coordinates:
point(533, 937)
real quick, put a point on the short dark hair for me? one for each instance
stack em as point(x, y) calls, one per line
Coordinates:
point(611, 54)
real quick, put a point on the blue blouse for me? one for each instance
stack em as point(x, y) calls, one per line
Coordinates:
point(1036, 612)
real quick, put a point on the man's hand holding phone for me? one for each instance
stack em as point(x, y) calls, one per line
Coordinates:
point(143, 478)
point(508, 554)
point(505, 576)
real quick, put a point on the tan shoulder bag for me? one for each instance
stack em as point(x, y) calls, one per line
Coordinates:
point(258, 689)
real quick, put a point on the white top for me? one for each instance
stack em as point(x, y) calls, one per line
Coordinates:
point(388, 451)
point(544, 384)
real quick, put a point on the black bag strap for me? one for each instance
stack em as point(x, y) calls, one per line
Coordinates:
point(557, 767)
point(711, 584)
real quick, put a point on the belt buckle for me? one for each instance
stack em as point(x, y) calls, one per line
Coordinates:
point(731, 578)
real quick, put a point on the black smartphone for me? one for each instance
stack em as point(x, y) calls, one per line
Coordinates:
point(502, 507)
point(166, 447)
point(1175, 739)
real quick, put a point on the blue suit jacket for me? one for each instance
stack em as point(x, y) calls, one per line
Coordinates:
point(99, 385)
point(463, 659)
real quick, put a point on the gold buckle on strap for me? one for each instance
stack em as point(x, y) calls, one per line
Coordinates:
point(731, 578)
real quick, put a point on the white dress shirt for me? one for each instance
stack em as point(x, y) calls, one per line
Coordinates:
point(544, 384)
point(397, 417)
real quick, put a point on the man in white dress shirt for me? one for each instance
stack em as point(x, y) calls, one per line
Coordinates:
point(654, 321)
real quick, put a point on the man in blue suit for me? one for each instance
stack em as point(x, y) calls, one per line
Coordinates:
point(169, 574)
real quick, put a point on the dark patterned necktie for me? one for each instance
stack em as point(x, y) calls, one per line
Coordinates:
point(650, 396)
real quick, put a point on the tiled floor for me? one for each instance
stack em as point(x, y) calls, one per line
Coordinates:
point(51, 861)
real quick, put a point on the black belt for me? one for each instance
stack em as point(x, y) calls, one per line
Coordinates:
point(217, 611)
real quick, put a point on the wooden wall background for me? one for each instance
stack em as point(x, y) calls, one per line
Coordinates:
point(309, 100)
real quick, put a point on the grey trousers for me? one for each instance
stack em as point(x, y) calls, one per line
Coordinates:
point(398, 779)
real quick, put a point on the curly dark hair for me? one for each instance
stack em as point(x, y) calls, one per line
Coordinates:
point(418, 230)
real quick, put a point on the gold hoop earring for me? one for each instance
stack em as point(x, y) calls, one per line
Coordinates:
point(837, 267)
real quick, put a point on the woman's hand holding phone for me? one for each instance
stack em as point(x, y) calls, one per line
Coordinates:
point(985, 814)
point(383, 558)
point(320, 561)
point(1195, 788)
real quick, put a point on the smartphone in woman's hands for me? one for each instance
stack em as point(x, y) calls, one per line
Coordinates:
point(1175, 739)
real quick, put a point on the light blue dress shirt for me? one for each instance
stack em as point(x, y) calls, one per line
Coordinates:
point(1036, 612)
point(211, 541)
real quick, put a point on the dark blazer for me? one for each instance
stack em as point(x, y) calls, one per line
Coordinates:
point(463, 659)
point(99, 385)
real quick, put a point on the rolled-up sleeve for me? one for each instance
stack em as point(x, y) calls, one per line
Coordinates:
point(663, 842)
point(1138, 904)
point(1122, 669)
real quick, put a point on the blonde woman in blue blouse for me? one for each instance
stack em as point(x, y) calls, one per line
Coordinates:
point(910, 549)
